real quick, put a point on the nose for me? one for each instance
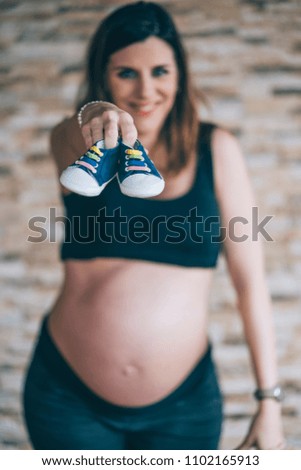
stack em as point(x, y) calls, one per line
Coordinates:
point(146, 86)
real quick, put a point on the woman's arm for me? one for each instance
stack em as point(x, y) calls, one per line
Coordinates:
point(244, 257)
point(66, 143)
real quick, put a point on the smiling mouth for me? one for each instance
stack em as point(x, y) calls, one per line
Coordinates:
point(144, 110)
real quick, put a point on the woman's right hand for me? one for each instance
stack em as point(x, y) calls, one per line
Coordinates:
point(106, 121)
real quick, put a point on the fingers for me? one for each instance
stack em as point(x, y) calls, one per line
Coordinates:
point(112, 122)
point(110, 126)
point(104, 127)
point(282, 445)
point(92, 128)
point(244, 446)
point(96, 128)
point(86, 132)
point(128, 130)
point(248, 443)
point(107, 125)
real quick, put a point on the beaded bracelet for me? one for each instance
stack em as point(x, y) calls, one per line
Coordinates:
point(80, 113)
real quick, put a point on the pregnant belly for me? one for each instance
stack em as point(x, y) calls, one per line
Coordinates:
point(132, 341)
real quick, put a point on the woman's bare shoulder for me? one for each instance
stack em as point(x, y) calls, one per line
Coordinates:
point(223, 136)
point(230, 169)
point(226, 147)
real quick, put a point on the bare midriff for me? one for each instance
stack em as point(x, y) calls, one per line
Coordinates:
point(131, 330)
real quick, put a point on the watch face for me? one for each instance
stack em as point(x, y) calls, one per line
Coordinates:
point(278, 393)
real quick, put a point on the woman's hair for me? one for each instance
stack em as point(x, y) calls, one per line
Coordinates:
point(133, 23)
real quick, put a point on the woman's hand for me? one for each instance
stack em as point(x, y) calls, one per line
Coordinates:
point(265, 431)
point(106, 121)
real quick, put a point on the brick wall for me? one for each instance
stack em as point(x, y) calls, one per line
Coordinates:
point(246, 57)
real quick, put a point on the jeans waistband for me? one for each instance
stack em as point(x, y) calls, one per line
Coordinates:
point(60, 368)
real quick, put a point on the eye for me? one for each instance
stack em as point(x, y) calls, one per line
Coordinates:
point(127, 73)
point(159, 71)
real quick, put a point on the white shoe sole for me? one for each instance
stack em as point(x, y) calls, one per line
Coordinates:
point(87, 191)
point(152, 191)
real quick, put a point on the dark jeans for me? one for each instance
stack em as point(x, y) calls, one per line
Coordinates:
point(62, 413)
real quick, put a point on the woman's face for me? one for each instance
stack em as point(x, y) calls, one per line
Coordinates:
point(143, 80)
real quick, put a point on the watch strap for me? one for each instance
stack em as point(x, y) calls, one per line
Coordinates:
point(275, 393)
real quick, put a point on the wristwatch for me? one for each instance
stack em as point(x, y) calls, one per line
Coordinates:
point(276, 393)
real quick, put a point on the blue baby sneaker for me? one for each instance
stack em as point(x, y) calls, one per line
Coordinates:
point(137, 175)
point(91, 173)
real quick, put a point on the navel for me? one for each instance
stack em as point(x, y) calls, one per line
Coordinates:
point(130, 370)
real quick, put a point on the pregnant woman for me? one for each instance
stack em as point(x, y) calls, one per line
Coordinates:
point(123, 359)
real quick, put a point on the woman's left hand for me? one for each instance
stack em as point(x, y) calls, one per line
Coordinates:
point(265, 431)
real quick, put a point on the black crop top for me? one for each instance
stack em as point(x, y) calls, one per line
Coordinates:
point(182, 231)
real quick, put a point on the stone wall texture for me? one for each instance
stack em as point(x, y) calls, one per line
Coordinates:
point(246, 56)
